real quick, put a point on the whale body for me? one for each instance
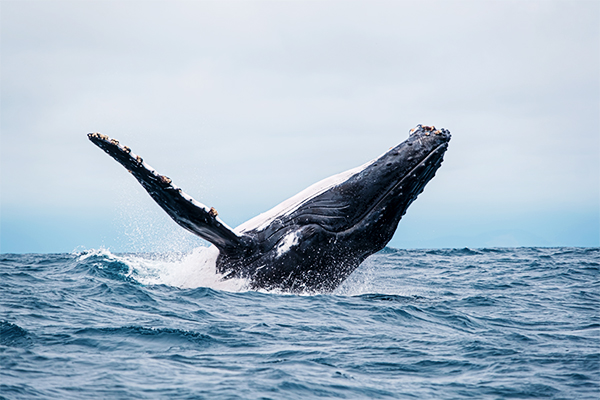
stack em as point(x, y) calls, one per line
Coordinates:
point(317, 238)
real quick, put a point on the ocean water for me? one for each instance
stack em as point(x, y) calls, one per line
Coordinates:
point(516, 323)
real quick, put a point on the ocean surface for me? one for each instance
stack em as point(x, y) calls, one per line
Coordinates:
point(520, 323)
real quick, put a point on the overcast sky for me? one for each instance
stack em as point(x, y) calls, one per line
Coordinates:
point(245, 103)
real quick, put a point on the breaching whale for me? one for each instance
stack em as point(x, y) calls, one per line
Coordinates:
point(317, 238)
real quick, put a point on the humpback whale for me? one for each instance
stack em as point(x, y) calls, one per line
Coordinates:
point(317, 238)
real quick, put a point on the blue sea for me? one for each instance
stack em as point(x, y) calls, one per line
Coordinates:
point(504, 323)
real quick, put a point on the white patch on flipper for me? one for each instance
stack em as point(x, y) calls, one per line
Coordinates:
point(289, 240)
point(263, 220)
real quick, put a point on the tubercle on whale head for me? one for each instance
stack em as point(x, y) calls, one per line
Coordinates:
point(426, 130)
point(422, 140)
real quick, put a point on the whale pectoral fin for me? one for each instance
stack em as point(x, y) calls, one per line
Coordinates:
point(187, 212)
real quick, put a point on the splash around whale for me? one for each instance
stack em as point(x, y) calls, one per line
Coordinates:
point(317, 238)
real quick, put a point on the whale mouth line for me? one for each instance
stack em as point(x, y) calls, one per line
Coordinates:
point(395, 186)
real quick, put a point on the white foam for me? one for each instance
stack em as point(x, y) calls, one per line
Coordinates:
point(196, 269)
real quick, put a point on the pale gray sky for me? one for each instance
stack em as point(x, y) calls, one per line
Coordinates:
point(245, 103)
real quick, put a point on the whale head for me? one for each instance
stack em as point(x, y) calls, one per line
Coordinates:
point(380, 194)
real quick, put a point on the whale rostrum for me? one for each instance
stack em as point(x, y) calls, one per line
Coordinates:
point(317, 238)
